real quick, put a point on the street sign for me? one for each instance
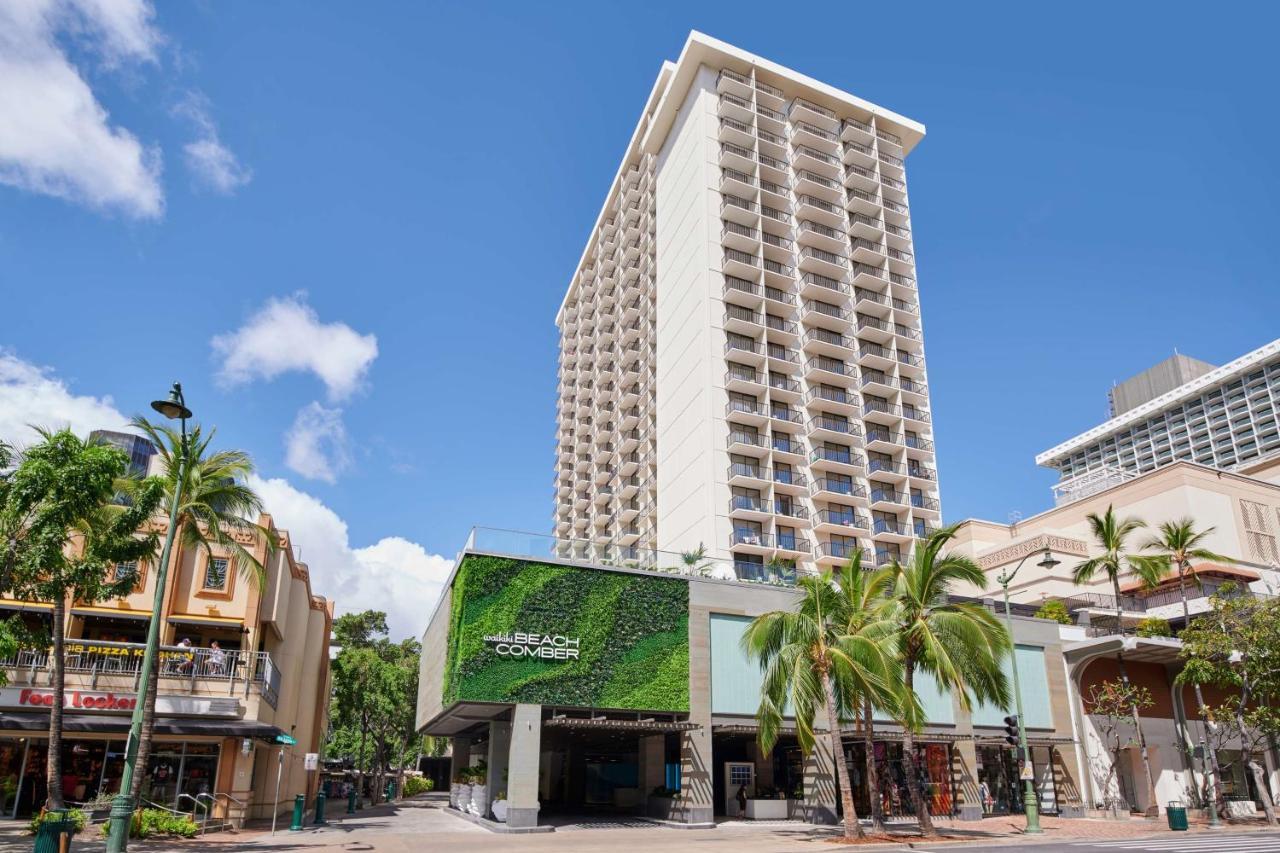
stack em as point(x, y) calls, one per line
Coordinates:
point(287, 740)
point(1027, 774)
point(312, 761)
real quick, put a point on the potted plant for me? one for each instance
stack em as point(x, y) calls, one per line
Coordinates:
point(500, 807)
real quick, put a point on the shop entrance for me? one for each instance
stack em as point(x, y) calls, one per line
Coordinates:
point(590, 773)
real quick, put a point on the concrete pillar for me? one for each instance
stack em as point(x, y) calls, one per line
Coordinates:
point(697, 786)
point(459, 757)
point(523, 758)
point(820, 782)
point(764, 765)
point(499, 753)
point(964, 759)
point(653, 763)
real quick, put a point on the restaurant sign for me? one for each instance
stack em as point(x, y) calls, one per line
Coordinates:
point(80, 701)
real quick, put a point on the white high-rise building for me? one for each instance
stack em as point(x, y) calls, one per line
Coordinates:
point(742, 362)
point(1224, 417)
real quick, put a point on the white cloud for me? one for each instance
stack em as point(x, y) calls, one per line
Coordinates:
point(287, 335)
point(210, 161)
point(393, 575)
point(316, 445)
point(31, 395)
point(56, 139)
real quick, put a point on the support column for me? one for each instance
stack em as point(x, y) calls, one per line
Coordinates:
point(459, 756)
point(697, 788)
point(523, 758)
point(653, 763)
point(499, 753)
point(820, 782)
point(965, 772)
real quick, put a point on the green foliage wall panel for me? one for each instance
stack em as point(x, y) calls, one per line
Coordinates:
point(632, 635)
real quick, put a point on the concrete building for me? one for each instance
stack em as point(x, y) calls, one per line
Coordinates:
point(584, 687)
point(742, 359)
point(1244, 512)
point(1181, 409)
point(242, 664)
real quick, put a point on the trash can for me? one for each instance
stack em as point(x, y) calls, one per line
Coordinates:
point(55, 832)
point(1177, 817)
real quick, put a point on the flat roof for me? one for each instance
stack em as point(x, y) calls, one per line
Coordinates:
point(671, 86)
point(1054, 455)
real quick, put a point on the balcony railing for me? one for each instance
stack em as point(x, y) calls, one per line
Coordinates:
point(185, 670)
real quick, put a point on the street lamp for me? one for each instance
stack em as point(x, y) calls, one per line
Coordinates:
point(174, 408)
point(1029, 805)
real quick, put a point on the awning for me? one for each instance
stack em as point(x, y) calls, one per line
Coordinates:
point(650, 726)
point(1033, 739)
point(42, 606)
point(1210, 569)
point(218, 621)
point(27, 721)
point(112, 613)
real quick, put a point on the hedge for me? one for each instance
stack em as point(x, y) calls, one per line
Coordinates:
point(633, 632)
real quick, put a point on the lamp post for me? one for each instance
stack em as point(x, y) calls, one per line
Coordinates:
point(174, 408)
point(1030, 807)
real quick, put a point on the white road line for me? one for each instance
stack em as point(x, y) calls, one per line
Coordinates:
point(1219, 844)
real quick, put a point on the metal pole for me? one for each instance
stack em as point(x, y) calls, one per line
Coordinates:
point(1029, 804)
point(122, 806)
point(275, 810)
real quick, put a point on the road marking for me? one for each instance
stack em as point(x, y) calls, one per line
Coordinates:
point(1210, 844)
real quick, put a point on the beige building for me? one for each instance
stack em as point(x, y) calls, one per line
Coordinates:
point(243, 662)
point(1243, 507)
point(742, 359)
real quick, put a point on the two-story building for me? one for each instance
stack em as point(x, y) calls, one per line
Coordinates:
point(245, 661)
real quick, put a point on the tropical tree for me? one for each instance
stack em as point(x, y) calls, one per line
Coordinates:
point(216, 509)
point(12, 534)
point(869, 613)
point(1176, 546)
point(961, 644)
point(61, 496)
point(811, 662)
point(1111, 705)
point(695, 561)
point(1111, 536)
point(1236, 647)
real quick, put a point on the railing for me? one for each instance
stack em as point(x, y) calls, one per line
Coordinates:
point(199, 669)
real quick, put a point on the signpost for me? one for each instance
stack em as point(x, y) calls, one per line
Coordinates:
point(284, 740)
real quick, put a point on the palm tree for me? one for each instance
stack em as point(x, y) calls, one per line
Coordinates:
point(961, 644)
point(1177, 544)
point(1111, 536)
point(869, 613)
point(216, 505)
point(695, 561)
point(810, 662)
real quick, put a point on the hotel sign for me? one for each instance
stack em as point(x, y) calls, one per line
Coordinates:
point(520, 644)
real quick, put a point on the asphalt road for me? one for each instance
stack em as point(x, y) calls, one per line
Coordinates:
point(1215, 842)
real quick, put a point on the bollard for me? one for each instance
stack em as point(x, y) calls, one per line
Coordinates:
point(299, 803)
point(351, 801)
point(320, 801)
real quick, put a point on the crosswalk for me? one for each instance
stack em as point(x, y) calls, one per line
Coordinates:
point(1200, 843)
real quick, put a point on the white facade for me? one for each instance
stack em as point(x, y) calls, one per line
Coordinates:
point(742, 362)
point(1225, 418)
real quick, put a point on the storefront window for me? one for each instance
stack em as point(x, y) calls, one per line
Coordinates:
point(178, 769)
point(933, 780)
point(11, 752)
point(998, 768)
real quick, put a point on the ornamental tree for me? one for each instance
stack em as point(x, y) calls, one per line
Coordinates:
point(1115, 705)
point(1236, 647)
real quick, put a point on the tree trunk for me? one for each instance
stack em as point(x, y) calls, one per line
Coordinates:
point(54, 764)
point(1153, 805)
point(1267, 806)
point(1210, 757)
point(873, 778)
point(852, 829)
point(145, 736)
point(364, 729)
point(919, 804)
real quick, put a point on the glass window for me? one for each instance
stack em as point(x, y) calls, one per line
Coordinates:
point(215, 573)
point(126, 570)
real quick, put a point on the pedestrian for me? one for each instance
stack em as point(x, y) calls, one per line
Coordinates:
point(984, 793)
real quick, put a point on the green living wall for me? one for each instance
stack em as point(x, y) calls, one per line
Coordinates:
point(633, 632)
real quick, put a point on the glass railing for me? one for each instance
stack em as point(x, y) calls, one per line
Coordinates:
point(535, 546)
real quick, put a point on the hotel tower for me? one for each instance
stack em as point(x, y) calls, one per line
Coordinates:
point(741, 354)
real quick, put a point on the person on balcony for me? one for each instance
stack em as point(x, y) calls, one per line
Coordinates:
point(217, 664)
point(186, 658)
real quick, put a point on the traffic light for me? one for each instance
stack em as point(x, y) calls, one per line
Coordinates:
point(1011, 730)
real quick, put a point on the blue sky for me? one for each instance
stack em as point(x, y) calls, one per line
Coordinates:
point(1097, 187)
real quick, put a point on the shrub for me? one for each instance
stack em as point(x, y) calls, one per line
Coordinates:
point(414, 785)
point(1054, 610)
point(79, 817)
point(152, 822)
point(1154, 626)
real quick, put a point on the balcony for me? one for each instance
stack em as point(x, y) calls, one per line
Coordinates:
point(832, 459)
point(826, 488)
point(743, 379)
point(893, 530)
point(881, 411)
point(740, 264)
point(814, 284)
point(837, 551)
point(886, 470)
point(742, 506)
point(738, 236)
point(781, 297)
point(919, 472)
point(887, 497)
point(826, 427)
point(783, 387)
point(787, 480)
point(838, 520)
point(742, 473)
point(747, 442)
point(832, 399)
point(740, 319)
point(784, 444)
point(186, 671)
point(924, 504)
point(745, 412)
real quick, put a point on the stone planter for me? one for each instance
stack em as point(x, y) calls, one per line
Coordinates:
point(664, 808)
point(500, 811)
point(768, 809)
point(479, 800)
point(1241, 808)
point(455, 794)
